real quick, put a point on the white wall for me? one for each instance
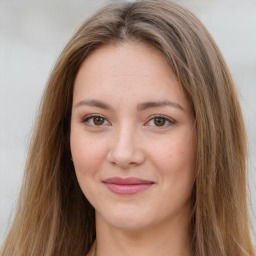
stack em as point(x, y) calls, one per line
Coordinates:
point(32, 34)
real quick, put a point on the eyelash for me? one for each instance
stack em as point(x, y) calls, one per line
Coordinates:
point(169, 121)
point(92, 117)
point(166, 119)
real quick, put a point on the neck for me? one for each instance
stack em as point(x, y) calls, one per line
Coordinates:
point(172, 239)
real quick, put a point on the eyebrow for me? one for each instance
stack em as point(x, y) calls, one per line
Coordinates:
point(140, 107)
point(155, 104)
point(93, 103)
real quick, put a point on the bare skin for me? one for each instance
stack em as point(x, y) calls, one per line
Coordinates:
point(131, 120)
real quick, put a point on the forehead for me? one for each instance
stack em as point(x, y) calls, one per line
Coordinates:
point(128, 55)
point(127, 68)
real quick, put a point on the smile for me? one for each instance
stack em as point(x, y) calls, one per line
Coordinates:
point(127, 186)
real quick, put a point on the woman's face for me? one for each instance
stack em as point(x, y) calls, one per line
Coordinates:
point(133, 139)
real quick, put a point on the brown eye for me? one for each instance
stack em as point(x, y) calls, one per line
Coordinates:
point(98, 120)
point(159, 121)
point(94, 120)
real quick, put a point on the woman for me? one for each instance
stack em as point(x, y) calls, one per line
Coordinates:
point(139, 147)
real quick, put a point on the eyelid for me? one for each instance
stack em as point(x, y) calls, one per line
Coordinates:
point(91, 116)
point(168, 119)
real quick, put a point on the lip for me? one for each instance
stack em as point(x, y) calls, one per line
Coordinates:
point(127, 186)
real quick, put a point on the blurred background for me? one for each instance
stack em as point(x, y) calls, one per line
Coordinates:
point(32, 35)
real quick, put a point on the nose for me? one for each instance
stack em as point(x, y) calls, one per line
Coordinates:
point(125, 149)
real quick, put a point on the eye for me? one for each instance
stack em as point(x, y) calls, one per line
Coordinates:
point(95, 120)
point(160, 121)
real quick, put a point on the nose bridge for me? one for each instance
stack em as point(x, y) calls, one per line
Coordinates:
point(124, 143)
point(125, 149)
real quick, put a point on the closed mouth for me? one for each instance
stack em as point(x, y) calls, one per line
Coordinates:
point(127, 186)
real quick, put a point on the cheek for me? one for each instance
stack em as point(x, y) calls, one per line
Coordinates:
point(184, 148)
point(87, 155)
point(87, 158)
point(175, 161)
point(175, 153)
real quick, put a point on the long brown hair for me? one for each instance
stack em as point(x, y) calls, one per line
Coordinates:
point(53, 216)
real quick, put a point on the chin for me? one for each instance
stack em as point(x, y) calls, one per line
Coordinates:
point(127, 219)
point(130, 224)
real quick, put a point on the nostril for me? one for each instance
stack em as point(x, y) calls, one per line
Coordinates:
point(125, 158)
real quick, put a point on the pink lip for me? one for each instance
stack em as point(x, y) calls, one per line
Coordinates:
point(127, 186)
